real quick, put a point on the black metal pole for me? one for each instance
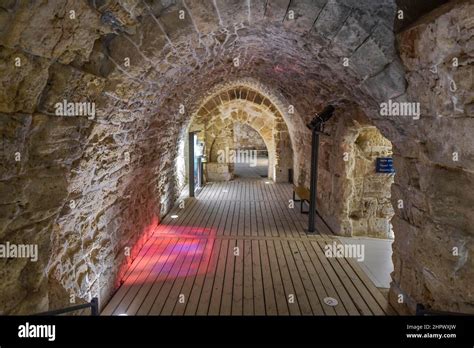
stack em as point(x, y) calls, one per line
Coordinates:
point(316, 125)
point(314, 179)
point(191, 164)
point(95, 306)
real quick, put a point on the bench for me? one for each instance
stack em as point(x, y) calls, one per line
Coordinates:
point(304, 195)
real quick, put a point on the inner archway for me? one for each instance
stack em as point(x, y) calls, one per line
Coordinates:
point(223, 116)
point(248, 143)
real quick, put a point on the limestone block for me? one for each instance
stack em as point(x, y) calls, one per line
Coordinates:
point(50, 30)
point(232, 11)
point(431, 42)
point(276, 10)
point(55, 140)
point(151, 39)
point(379, 227)
point(125, 50)
point(257, 10)
point(449, 141)
point(359, 227)
point(405, 238)
point(122, 13)
point(72, 85)
point(99, 62)
point(355, 30)
point(174, 25)
point(204, 15)
point(331, 18)
point(5, 19)
point(388, 84)
point(449, 193)
point(14, 132)
point(23, 84)
point(305, 13)
point(218, 172)
point(375, 53)
point(432, 47)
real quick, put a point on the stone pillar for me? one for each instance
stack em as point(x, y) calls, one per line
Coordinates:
point(433, 191)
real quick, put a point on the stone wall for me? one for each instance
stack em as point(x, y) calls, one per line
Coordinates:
point(434, 159)
point(352, 198)
point(230, 145)
point(245, 137)
point(221, 144)
point(218, 114)
point(87, 189)
point(215, 171)
point(370, 208)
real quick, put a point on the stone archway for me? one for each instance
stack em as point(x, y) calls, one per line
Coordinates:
point(370, 208)
point(249, 143)
point(242, 103)
point(351, 195)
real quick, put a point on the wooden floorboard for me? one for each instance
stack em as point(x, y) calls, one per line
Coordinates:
point(247, 279)
point(240, 248)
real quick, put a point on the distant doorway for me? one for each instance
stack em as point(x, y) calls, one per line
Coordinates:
point(250, 144)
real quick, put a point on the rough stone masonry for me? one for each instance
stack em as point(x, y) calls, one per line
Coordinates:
point(87, 189)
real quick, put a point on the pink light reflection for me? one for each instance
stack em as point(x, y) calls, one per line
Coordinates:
point(173, 252)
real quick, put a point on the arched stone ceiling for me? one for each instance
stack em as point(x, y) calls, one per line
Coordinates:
point(176, 60)
point(139, 61)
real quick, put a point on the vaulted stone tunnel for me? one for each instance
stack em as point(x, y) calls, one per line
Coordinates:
point(86, 188)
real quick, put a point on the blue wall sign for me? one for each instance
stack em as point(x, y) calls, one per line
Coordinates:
point(384, 165)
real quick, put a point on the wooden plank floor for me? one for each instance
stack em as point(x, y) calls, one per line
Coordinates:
point(240, 249)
